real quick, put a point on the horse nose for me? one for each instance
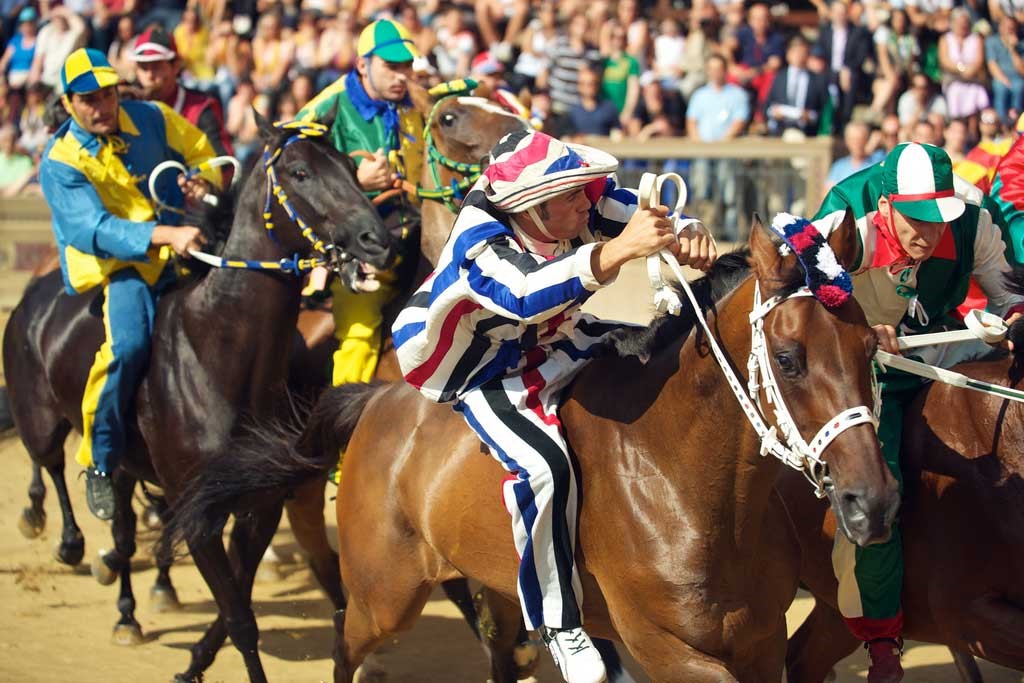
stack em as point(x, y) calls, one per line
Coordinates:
point(868, 515)
point(375, 246)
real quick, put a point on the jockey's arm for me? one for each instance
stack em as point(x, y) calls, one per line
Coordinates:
point(990, 267)
point(186, 140)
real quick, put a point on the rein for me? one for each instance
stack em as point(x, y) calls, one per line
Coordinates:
point(783, 441)
point(298, 130)
point(456, 189)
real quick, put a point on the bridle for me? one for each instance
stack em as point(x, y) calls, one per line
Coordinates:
point(456, 189)
point(326, 254)
point(784, 440)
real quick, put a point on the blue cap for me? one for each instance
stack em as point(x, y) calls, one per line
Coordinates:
point(87, 70)
point(27, 14)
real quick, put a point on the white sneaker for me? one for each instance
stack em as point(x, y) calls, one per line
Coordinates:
point(574, 654)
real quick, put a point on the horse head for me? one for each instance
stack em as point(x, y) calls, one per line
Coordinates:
point(821, 361)
point(313, 198)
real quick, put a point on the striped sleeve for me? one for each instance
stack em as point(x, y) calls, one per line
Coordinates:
point(520, 287)
point(613, 209)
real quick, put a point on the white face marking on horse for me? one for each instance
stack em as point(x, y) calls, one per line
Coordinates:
point(486, 105)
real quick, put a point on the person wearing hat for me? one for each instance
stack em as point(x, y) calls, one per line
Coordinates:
point(157, 66)
point(17, 59)
point(373, 113)
point(924, 234)
point(497, 331)
point(93, 175)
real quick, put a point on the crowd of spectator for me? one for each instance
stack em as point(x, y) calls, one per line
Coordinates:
point(868, 72)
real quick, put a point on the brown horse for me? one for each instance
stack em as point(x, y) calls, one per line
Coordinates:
point(963, 532)
point(685, 548)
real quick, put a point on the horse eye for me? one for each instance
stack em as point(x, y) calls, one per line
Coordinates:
point(448, 119)
point(787, 365)
point(300, 174)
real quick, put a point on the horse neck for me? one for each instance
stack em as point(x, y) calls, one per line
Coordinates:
point(739, 478)
point(437, 220)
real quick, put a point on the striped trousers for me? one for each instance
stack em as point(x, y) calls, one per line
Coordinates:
point(516, 416)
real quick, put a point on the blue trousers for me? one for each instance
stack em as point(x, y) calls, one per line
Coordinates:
point(129, 307)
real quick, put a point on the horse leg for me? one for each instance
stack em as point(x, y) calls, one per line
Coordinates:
point(457, 590)
point(995, 627)
point(820, 642)
point(72, 542)
point(502, 635)
point(163, 596)
point(127, 631)
point(33, 518)
point(306, 517)
point(968, 668)
point(230, 575)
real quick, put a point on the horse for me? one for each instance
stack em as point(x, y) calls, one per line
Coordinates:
point(708, 607)
point(963, 530)
point(219, 359)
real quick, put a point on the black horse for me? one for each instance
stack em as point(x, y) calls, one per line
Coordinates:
point(219, 359)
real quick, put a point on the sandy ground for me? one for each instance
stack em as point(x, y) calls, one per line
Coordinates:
point(55, 622)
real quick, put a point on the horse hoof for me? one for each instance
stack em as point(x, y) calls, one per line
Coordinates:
point(164, 599)
point(269, 572)
point(831, 676)
point(526, 657)
point(127, 634)
point(102, 572)
point(370, 671)
point(186, 678)
point(31, 523)
point(70, 552)
point(151, 519)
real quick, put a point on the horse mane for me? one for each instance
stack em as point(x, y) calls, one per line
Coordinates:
point(725, 275)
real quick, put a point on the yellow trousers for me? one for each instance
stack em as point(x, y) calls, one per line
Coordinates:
point(357, 326)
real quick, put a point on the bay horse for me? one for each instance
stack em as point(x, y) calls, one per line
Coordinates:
point(685, 548)
point(963, 531)
point(219, 359)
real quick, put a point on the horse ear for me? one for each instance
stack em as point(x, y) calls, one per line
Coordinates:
point(268, 134)
point(844, 242)
point(421, 100)
point(764, 251)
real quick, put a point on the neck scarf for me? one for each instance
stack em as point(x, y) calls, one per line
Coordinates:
point(370, 108)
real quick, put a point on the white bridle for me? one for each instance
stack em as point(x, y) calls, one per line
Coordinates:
point(784, 440)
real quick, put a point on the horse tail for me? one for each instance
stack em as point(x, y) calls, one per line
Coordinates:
point(264, 463)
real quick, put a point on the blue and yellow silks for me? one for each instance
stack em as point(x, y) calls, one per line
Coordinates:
point(103, 221)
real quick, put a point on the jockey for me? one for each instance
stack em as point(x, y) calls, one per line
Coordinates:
point(157, 66)
point(94, 175)
point(497, 329)
point(1008, 194)
point(923, 235)
point(373, 113)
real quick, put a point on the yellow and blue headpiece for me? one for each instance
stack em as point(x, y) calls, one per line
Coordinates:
point(87, 70)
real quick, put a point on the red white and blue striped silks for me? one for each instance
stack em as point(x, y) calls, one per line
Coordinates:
point(495, 294)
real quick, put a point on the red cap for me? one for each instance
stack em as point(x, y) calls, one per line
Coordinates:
point(154, 44)
point(486, 65)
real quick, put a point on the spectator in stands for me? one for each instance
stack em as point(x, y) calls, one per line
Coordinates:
point(855, 136)
point(231, 57)
point(919, 101)
point(593, 114)
point(659, 113)
point(456, 45)
point(924, 132)
point(31, 124)
point(1004, 55)
point(336, 52)
point(16, 169)
point(956, 141)
point(570, 53)
point(897, 52)
point(302, 88)
point(423, 36)
point(193, 40)
point(846, 48)
point(500, 22)
point(167, 13)
point(16, 63)
point(890, 133)
point(286, 109)
point(11, 103)
point(930, 15)
point(979, 165)
point(536, 43)
point(621, 78)
point(58, 39)
point(797, 96)
point(717, 111)
point(699, 45)
point(669, 46)
point(962, 58)
point(761, 50)
point(241, 123)
point(157, 67)
point(272, 52)
point(120, 51)
point(638, 33)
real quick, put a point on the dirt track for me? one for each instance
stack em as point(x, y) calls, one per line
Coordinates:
point(56, 622)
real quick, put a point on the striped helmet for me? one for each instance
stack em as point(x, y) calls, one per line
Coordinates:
point(918, 181)
point(87, 70)
point(527, 168)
